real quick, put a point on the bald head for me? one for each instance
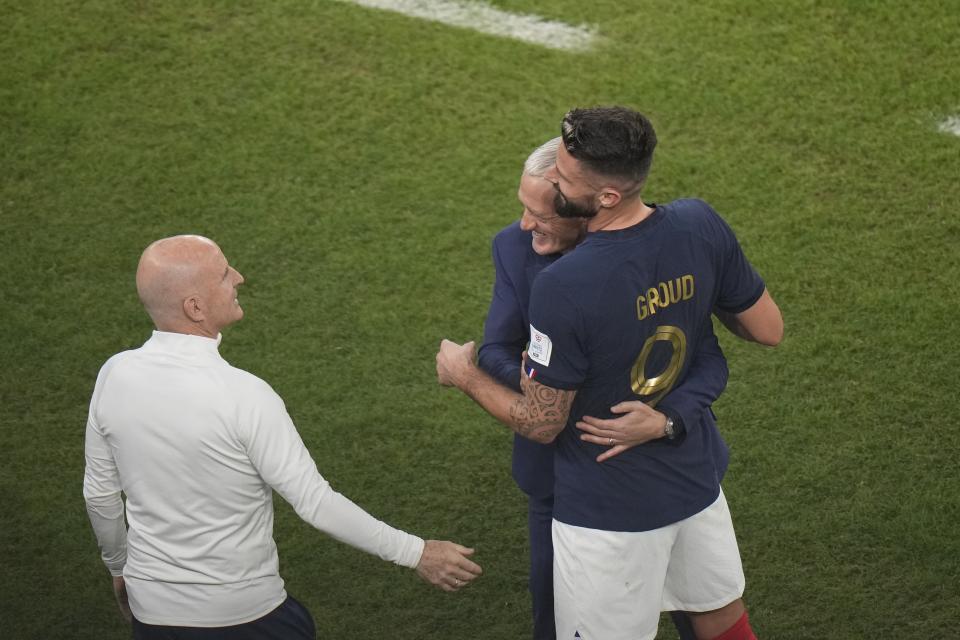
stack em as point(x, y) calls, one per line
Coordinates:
point(185, 284)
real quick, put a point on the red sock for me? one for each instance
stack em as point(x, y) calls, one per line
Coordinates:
point(739, 631)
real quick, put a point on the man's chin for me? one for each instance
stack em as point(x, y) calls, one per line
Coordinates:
point(543, 247)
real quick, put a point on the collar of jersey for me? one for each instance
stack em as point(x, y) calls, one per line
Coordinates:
point(642, 227)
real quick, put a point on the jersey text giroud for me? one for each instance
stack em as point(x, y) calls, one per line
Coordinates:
point(663, 295)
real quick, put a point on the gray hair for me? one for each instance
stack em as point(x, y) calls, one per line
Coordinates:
point(542, 158)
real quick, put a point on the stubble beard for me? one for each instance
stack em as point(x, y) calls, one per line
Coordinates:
point(567, 208)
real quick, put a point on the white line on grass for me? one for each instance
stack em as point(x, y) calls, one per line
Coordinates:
point(480, 16)
point(950, 125)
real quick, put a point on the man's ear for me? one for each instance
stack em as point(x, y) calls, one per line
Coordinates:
point(610, 198)
point(193, 308)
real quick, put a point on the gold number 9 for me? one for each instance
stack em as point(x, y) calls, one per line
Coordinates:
point(653, 389)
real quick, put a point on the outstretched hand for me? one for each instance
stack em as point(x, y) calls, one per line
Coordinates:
point(453, 361)
point(447, 565)
point(639, 424)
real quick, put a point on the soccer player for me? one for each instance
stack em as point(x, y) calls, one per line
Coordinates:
point(617, 319)
point(198, 447)
point(520, 252)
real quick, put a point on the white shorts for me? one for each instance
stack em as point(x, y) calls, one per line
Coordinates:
point(614, 584)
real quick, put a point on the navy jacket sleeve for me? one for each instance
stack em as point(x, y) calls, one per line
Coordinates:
point(504, 332)
point(703, 384)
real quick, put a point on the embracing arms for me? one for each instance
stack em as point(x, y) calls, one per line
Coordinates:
point(538, 413)
point(761, 323)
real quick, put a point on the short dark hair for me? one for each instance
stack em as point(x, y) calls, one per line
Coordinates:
point(611, 141)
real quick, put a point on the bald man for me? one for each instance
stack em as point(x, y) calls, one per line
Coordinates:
point(198, 447)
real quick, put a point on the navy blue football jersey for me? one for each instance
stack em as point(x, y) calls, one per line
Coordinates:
point(620, 319)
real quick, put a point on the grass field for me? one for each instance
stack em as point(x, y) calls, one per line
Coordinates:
point(354, 164)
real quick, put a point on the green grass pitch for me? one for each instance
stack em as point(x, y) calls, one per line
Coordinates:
point(354, 165)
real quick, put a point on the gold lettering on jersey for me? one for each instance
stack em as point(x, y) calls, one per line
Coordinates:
point(653, 389)
point(663, 295)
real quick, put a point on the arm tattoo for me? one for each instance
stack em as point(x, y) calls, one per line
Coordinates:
point(542, 411)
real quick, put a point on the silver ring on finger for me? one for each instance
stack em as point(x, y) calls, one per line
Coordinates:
point(456, 582)
point(610, 441)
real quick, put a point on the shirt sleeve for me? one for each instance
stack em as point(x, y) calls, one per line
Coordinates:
point(282, 460)
point(703, 384)
point(740, 286)
point(557, 352)
point(504, 333)
point(101, 492)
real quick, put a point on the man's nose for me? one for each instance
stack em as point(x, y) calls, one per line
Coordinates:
point(527, 222)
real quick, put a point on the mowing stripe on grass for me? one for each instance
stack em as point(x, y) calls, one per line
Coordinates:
point(482, 17)
point(950, 125)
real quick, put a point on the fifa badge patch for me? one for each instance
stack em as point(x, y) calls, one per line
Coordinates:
point(540, 347)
